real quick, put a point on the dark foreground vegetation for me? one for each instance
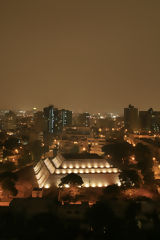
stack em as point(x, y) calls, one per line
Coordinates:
point(112, 218)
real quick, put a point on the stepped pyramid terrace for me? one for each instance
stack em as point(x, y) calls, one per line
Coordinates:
point(94, 170)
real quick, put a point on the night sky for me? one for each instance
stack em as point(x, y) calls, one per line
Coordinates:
point(84, 55)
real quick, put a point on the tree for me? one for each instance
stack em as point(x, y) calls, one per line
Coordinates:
point(9, 185)
point(144, 158)
point(7, 166)
point(3, 137)
point(36, 150)
point(120, 153)
point(129, 178)
point(112, 191)
point(11, 143)
point(71, 179)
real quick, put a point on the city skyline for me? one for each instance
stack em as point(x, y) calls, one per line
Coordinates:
point(88, 56)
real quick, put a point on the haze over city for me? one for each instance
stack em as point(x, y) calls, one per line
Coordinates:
point(95, 56)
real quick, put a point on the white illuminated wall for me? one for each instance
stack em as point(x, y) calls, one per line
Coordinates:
point(94, 172)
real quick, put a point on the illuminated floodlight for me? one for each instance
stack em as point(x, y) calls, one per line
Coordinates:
point(109, 170)
point(75, 171)
point(93, 185)
point(98, 170)
point(77, 166)
point(83, 166)
point(64, 166)
point(58, 171)
point(67, 185)
point(101, 166)
point(95, 166)
point(89, 166)
point(47, 185)
point(92, 170)
point(115, 170)
point(64, 171)
point(69, 171)
point(107, 165)
point(81, 171)
point(99, 184)
point(105, 184)
point(104, 170)
point(70, 166)
point(86, 171)
point(119, 184)
point(86, 185)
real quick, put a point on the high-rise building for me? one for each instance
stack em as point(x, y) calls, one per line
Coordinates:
point(66, 117)
point(9, 121)
point(155, 123)
point(56, 119)
point(131, 118)
point(84, 119)
point(39, 121)
point(145, 119)
point(149, 120)
point(49, 119)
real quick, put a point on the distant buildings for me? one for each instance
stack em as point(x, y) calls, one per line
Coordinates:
point(143, 120)
point(84, 119)
point(49, 118)
point(150, 120)
point(131, 118)
point(9, 121)
point(66, 117)
point(56, 119)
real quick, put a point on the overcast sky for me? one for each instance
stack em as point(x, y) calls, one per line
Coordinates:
point(84, 55)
